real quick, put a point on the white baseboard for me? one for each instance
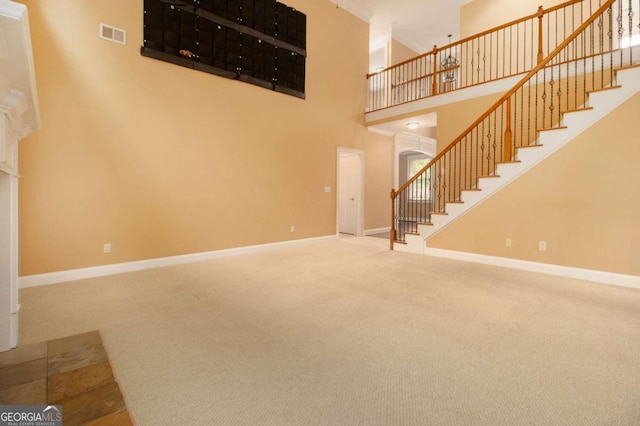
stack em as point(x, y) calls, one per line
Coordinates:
point(632, 281)
point(119, 268)
point(377, 231)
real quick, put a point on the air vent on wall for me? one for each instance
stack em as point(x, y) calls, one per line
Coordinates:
point(114, 34)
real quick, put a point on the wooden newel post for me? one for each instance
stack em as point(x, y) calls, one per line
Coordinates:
point(540, 16)
point(434, 89)
point(508, 134)
point(392, 234)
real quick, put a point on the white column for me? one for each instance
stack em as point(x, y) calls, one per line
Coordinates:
point(8, 238)
point(19, 115)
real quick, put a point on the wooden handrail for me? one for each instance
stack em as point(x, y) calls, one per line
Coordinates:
point(478, 35)
point(509, 93)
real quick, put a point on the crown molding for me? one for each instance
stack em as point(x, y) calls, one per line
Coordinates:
point(353, 8)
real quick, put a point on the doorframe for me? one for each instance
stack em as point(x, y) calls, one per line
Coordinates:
point(360, 205)
point(404, 142)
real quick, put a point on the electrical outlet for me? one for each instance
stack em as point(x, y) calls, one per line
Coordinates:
point(508, 242)
point(293, 228)
point(106, 248)
point(327, 190)
point(542, 245)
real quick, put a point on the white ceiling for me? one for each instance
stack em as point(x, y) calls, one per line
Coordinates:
point(419, 24)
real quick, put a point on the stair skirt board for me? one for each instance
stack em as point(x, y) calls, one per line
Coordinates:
point(599, 104)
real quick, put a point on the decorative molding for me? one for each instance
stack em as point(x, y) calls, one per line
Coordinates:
point(404, 142)
point(18, 72)
point(14, 106)
point(410, 142)
point(120, 268)
point(611, 278)
point(12, 10)
point(352, 7)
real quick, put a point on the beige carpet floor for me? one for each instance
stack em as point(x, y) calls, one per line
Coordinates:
point(348, 333)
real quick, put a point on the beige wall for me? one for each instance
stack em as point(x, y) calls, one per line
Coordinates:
point(453, 118)
point(481, 15)
point(583, 201)
point(400, 52)
point(160, 160)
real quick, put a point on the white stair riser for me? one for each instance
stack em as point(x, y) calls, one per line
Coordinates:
point(507, 168)
point(527, 156)
point(579, 118)
point(455, 209)
point(414, 244)
point(422, 229)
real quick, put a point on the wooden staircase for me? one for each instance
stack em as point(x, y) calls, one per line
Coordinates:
point(600, 103)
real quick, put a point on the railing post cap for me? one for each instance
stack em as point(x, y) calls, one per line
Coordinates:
point(540, 11)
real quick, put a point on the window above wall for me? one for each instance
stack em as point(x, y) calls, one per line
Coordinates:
point(415, 163)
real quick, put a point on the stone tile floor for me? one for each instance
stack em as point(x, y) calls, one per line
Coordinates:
point(73, 372)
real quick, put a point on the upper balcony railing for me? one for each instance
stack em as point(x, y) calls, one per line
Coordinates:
point(510, 49)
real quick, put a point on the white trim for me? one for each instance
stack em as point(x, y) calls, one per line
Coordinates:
point(14, 20)
point(405, 142)
point(354, 8)
point(120, 268)
point(377, 231)
point(12, 9)
point(632, 281)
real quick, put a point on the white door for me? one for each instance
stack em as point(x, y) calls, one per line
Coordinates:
point(348, 193)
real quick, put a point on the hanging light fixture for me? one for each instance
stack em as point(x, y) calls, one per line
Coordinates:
point(449, 65)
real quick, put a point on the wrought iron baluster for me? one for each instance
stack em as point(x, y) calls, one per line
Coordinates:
point(504, 50)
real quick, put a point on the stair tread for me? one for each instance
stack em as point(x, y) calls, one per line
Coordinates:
point(454, 202)
point(569, 111)
point(425, 223)
point(509, 162)
point(439, 213)
point(603, 89)
point(552, 128)
point(529, 146)
point(627, 67)
point(488, 176)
